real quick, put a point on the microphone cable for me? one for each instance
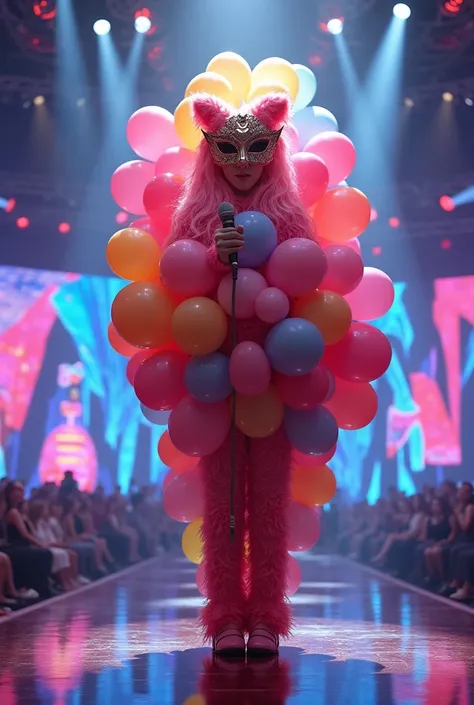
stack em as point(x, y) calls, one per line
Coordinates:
point(233, 428)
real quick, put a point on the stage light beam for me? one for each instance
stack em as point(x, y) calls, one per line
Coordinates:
point(39, 100)
point(142, 24)
point(401, 11)
point(448, 97)
point(335, 26)
point(102, 27)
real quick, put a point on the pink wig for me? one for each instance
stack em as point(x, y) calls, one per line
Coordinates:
point(276, 194)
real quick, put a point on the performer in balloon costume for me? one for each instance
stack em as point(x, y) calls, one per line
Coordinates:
point(260, 361)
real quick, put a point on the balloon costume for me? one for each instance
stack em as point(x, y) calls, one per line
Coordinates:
point(293, 359)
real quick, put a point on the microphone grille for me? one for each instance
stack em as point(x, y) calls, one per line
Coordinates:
point(226, 210)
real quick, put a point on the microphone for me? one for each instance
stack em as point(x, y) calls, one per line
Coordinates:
point(226, 213)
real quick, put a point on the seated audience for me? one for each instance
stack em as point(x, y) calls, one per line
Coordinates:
point(439, 532)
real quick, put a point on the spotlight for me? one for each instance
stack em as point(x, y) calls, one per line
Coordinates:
point(448, 97)
point(335, 26)
point(446, 244)
point(10, 206)
point(64, 228)
point(22, 222)
point(101, 27)
point(39, 100)
point(469, 102)
point(401, 11)
point(409, 102)
point(377, 250)
point(142, 24)
point(447, 203)
point(373, 215)
point(394, 222)
point(121, 217)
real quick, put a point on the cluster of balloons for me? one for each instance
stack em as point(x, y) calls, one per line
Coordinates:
point(313, 370)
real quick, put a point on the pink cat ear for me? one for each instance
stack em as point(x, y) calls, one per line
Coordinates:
point(210, 113)
point(273, 110)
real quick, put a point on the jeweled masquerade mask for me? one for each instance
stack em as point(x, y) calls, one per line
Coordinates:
point(243, 139)
point(249, 135)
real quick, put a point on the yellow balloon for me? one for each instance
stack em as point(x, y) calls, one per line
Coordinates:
point(188, 133)
point(276, 70)
point(212, 83)
point(236, 70)
point(264, 88)
point(195, 700)
point(192, 542)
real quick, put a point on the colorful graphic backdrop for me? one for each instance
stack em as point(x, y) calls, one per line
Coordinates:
point(65, 402)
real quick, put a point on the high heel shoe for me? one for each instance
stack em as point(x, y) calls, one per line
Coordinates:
point(262, 642)
point(229, 642)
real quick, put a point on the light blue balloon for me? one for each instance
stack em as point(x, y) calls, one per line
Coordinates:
point(308, 87)
point(294, 346)
point(311, 432)
point(207, 378)
point(260, 238)
point(158, 418)
point(312, 121)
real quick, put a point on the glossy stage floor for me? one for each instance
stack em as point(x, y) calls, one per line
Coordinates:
point(133, 639)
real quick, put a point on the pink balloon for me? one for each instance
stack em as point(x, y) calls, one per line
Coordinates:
point(199, 429)
point(185, 269)
point(134, 363)
point(296, 266)
point(183, 498)
point(293, 576)
point(373, 297)
point(363, 354)
point(303, 527)
point(272, 305)
point(249, 285)
point(150, 131)
point(159, 380)
point(305, 391)
point(201, 579)
point(312, 176)
point(354, 244)
point(250, 371)
point(128, 183)
point(345, 269)
point(292, 138)
point(336, 151)
point(178, 161)
point(146, 224)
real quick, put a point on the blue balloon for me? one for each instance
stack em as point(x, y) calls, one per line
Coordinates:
point(294, 346)
point(312, 121)
point(308, 87)
point(260, 238)
point(311, 432)
point(158, 418)
point(207, 378)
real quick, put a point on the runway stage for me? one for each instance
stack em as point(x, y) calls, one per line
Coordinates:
point(133, 639)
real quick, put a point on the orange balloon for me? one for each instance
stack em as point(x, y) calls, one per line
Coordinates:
point(341, 214)
point(261, 415)
point(119, 344)
point(141, 313)
point(134, 254)
point(172, 457)
point(313, 486)
point(199, 326)
point(353, 404)
point(329, 312)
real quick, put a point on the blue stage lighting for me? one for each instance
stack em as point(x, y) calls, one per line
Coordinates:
point(335, 26)
point(142, 24)
point(102, 27)
point(401, 11)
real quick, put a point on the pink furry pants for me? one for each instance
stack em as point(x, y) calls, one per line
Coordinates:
point(246, 586)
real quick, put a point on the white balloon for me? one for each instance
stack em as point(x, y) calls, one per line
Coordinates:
point(312, 121)
point(308, 87)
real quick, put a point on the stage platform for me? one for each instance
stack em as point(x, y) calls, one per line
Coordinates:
point(133, 639)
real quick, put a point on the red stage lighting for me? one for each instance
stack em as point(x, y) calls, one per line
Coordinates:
point(451, 8)
point(376, 250)
point(394, 222)
point(11, 203)
point(446, 244)
point(45, 9)
point(373, 215)
point(22, 222)
point(64, 228)
point(121, 217)
point(447, 203)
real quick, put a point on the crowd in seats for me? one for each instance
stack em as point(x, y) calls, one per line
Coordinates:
point(60, 538)
point(427, 539)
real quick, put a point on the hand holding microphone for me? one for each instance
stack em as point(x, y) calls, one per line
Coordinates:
point(229, 239)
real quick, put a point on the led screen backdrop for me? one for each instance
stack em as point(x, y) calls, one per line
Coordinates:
point(65, 402)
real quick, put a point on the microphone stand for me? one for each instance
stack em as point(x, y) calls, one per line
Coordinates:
point(233, 428)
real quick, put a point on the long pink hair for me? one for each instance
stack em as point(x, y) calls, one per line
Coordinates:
point(276, 194)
